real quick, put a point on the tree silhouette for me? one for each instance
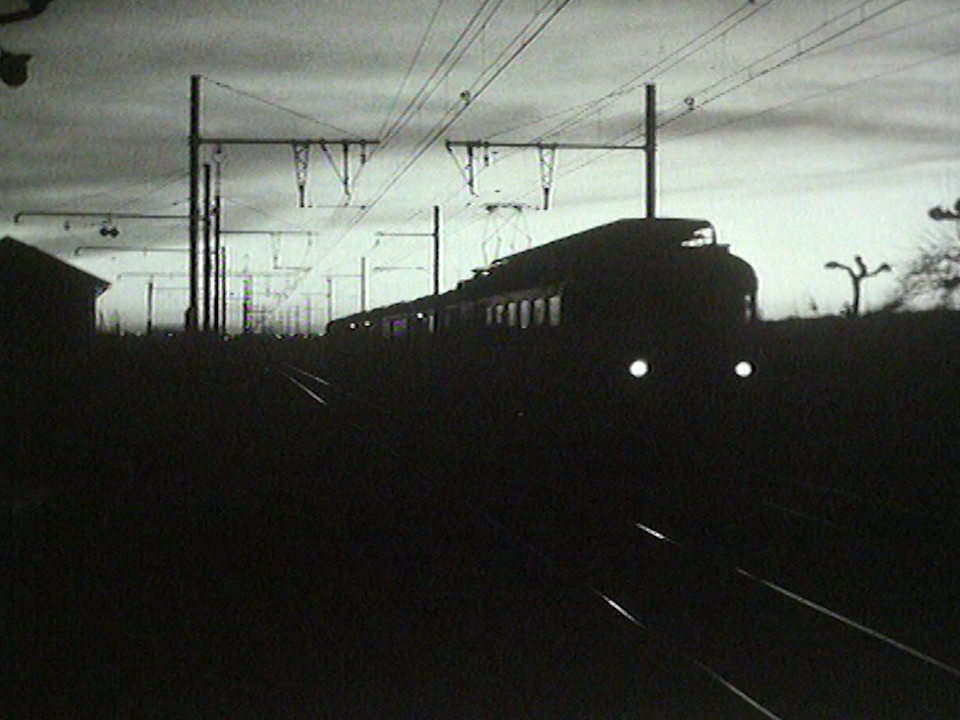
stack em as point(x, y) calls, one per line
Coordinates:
point(932, 278)
point(856, 278)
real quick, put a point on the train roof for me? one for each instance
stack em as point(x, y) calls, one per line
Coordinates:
point(654, 234)
point(618, 243)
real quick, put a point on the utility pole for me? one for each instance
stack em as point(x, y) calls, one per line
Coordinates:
point(547, 154)
point(309, 309)
point(150, 289)
point(207, 259)
point(329, 278)
point(435, 234)
point(301, 152)
point(363, 284)
point(190, 318)
point(247, 304)
point(650, 115)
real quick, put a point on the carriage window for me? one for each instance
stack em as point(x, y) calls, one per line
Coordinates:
point(553, 311)
point(385, 328)
point(512, 314)
point(499, 314)
point(524, 314)
point(539, 311)
point(489, 315)
point(399, 327)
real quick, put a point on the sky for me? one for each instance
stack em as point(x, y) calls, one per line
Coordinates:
point(806, 132)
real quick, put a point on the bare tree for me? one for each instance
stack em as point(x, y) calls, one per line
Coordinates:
point(856, 278)
point(931, 279)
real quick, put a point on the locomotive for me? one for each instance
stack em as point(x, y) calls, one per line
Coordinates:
point(654, 308)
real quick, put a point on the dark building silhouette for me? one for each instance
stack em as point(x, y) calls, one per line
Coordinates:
point(45, 303)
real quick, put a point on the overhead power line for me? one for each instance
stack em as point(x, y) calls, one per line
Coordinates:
point(786, 54)
point(451, 58)
point(777, 58)
point(695, 45)
point(818, 95)
point(278, 106)
point(487, 77)
point(382, 132)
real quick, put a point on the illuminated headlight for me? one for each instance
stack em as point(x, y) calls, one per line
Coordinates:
point(639, 368)
point(743, 369)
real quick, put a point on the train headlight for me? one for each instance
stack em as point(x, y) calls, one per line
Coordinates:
point(638, 368)
point(743, 369)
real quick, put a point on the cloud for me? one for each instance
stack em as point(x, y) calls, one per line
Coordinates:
point(904, 112)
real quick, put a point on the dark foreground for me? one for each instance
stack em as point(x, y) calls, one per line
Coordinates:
point(188, 534)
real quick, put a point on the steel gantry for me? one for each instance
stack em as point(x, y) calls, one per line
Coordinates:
point(301, 156)
point(547, 153)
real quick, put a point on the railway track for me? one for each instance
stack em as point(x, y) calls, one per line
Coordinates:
point(796, 598)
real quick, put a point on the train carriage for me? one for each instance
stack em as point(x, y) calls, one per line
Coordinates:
point(628, 309)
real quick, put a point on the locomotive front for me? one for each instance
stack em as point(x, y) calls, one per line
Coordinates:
point(669, 314)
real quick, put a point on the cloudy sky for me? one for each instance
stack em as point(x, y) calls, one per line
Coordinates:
point(806, 132)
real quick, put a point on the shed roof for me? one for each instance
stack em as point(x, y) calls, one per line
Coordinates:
point(18, 257)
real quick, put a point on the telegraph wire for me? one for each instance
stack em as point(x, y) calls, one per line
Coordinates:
point(634, 135)
point(637, 80)
point(698, 98)
point(278, 106)
point(381, 133)
point(818, 95)
point(752, 73)
point(163, 184)
point(886, 33)
point(474, 92)
point(452, 115)
point(425, 91)
point(648, 74)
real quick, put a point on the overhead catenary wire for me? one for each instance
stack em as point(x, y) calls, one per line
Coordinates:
point(633, 136)
point(464, 41)
point(418, 52)
point(281, 108)
point(783, 56)
point(817, 95)
point(799, 52)
point(486, 78)
point(689, 49)
point(447, 63)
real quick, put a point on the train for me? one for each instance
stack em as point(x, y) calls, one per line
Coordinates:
point(637, 308)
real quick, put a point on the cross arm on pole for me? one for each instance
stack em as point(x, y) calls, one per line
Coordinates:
point(125, 248)
point(547, 153)
point(105, 215)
